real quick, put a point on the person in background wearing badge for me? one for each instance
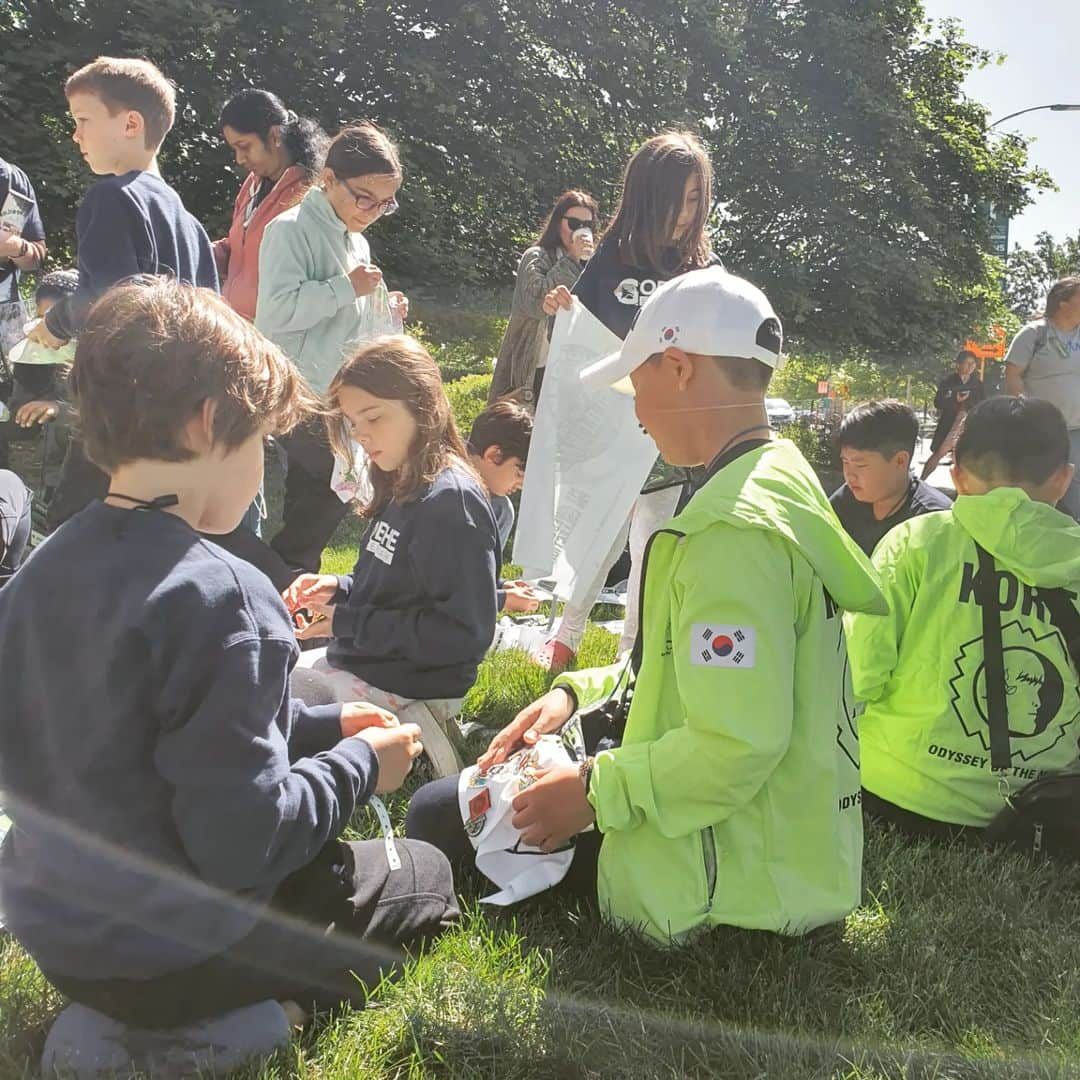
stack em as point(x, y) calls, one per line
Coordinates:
point(22, 244)
point(731, 793)
point(1043, 361)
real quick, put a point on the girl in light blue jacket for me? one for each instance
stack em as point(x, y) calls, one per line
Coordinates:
point(319, 299)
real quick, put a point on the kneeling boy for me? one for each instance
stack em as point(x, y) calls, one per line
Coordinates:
point(926, 735)
point(732, 796)
point(498, 447)
point(175, 849)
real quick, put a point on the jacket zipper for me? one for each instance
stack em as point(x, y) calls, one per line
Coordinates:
point(639, 641)
point(708, 850)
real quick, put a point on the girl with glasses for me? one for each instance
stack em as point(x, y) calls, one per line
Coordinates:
point(319, 298)
point(557, 258)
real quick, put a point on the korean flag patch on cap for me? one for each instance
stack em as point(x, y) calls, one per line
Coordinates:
point(718, 645)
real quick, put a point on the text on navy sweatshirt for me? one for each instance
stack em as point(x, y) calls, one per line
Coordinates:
point(151, 757)
point(417, 613)
point(126, 225)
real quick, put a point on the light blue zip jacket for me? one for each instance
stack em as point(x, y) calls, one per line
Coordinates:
point(306, 301)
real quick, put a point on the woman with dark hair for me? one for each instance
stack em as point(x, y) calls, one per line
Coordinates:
point(1043, 361)
point(957, 394)
point(319, 298)
point(566, 241)
point(282, 154)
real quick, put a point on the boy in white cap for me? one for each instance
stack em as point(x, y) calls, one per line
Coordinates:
point(731, 794)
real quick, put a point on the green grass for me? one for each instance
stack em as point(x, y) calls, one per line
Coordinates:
point(960, 963)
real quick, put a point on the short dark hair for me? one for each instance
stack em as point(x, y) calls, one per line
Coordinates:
point(505, 424)
point(887, 427)
point(255, 112)
point(965, 354)
point(56, 284)
point(745, 373)
point(154, 351)
point(1017, 440)
point(362, 149)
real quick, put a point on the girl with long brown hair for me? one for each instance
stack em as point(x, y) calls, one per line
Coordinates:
point(410, 625)
point(658, 232)
point(557, 258)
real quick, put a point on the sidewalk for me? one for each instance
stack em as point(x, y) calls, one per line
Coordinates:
point(940, 478)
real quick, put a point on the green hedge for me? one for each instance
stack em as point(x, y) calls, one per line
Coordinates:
point(468, 399)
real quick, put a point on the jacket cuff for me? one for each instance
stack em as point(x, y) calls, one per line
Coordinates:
point(343, 290)
point(609, 789)
point(344, 589)
point(318, 728)
point(360, 754)
point(55, 325)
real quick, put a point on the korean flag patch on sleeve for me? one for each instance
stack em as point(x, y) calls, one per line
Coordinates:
point(716, 645)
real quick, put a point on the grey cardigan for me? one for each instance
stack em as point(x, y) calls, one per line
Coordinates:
point(524, 345)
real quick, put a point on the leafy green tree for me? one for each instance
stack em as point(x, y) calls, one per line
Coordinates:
point(1031, 272)
point(851, 170)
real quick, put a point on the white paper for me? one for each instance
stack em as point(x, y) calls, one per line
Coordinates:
point(587, 461)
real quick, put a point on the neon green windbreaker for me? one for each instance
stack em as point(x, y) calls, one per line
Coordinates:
point(734, 797)
point(925, 740)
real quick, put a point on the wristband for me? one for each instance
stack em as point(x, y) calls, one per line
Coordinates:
point(392, 856)
point(585, 772)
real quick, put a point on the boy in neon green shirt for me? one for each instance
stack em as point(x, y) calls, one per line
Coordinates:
point(926, 760)
point(732, 795)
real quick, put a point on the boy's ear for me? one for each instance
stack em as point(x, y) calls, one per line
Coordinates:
point(1060, 481)
point(679, 364)
point(963, 481)
point(493, 455)
point(902, 460)
point(199, 430)
point(134, 125)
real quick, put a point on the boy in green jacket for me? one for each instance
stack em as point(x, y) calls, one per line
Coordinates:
point(926, 745)
point(732, 796)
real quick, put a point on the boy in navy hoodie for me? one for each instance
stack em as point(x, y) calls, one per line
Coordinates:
point(175, 851)
point(130, 222)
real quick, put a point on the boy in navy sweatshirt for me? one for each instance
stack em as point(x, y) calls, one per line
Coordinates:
point(498, 446)
point(175, 849)
point(130, 222)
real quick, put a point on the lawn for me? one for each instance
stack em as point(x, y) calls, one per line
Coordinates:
point(959, 963)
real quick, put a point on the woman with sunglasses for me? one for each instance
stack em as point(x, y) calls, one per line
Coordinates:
point(319, 298)
point(557, 258)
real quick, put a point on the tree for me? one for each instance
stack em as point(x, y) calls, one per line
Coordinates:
point(851, 170)
point(1031, 272)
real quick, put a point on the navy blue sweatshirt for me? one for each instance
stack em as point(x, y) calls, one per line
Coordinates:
point(126, 225)
point(151, 757)
point(613, 290)
point(417, 613)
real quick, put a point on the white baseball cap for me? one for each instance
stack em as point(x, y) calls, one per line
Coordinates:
point(709, 312)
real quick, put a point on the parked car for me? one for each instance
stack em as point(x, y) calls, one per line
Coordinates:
point(779, 411)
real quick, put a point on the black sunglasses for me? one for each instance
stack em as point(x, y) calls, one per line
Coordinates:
point(578, 223)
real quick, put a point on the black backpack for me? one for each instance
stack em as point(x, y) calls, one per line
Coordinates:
point(1042, 818)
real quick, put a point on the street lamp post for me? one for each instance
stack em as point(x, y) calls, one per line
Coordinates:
point(1036, 108)
point(999, 240)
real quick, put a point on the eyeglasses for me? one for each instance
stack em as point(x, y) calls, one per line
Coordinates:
point(367, 204)
point(578, 223)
